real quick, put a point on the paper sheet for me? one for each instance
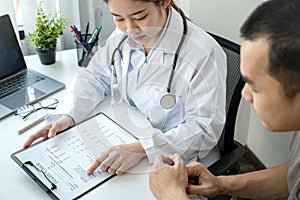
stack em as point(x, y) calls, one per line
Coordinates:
point(66, 158)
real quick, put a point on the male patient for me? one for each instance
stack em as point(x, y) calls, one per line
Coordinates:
point(270, 65)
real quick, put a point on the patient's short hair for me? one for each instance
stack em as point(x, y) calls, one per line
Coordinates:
point(279, 22)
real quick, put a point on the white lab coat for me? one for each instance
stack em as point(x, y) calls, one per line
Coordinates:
point(194, 125)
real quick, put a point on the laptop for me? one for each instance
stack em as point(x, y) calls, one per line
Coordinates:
point(18, 85)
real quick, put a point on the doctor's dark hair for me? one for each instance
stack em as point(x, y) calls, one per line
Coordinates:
point(279, 22)
point(157, 3)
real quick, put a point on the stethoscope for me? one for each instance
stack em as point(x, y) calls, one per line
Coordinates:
point(168, 100)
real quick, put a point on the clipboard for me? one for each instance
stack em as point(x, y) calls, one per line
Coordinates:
point(58, 165)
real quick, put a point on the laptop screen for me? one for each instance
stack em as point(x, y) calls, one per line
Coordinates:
point(11, 57)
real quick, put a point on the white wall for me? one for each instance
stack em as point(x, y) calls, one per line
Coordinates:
point(225, 18)
point(108, 22)
point(222, 17)
point(271, 148)
point(7, 7)
point(184, 5)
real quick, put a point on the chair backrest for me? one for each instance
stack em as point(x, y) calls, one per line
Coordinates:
point(234, 86)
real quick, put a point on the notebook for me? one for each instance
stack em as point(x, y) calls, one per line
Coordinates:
point(18, 85)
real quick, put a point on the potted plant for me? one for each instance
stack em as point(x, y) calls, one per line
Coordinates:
point(44, 37)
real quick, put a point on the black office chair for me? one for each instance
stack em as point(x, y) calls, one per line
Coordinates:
point(231, 150)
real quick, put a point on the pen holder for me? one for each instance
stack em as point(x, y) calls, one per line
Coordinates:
point(85, 51)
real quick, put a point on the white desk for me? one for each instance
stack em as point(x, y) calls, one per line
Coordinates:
point(16, 184)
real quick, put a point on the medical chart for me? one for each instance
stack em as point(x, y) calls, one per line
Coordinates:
point(63, 161)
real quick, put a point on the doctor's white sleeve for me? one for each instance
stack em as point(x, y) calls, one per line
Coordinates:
point(92, 84)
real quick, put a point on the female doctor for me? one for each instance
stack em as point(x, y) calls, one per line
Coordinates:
point(165, 66)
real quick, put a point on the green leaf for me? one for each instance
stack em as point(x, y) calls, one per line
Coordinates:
point(47, 29)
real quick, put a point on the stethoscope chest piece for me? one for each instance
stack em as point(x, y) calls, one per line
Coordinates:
point(168, 101)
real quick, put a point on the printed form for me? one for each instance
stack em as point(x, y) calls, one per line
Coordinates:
point(64, 160)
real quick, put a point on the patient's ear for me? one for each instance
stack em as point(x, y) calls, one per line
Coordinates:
point(296, 101)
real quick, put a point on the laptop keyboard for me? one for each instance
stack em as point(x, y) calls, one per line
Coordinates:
point(18, 82)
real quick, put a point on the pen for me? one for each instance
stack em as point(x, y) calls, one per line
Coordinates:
point(25, 128)
point(94, 38)
point(87, 31)
point(78, 42)
point(81, 38)
point(75, 33)
point(95, 35)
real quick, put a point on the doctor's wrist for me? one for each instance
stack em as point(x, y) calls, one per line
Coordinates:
point(135, 147)
point(68, 120)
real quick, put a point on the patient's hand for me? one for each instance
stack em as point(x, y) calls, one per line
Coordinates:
point(201, 180)
point(168, 178)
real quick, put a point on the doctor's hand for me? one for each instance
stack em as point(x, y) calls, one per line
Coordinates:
point(50, 130)
point(119, 158)
point(168, 178)
point(202, 181)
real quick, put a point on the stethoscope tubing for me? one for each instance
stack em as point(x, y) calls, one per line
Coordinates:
point(178, 50)
point(169, 95)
